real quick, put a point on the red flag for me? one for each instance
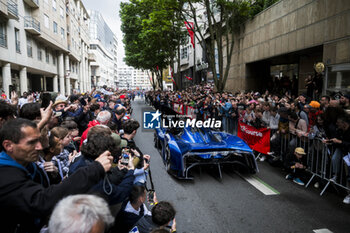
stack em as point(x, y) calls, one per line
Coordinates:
point(190, 29)
point(189, 78)
point(157, 68)
point(257, 139)
point(172, 75)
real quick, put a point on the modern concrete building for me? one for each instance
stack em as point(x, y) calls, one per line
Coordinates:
point(283, 41)
point(78, 61)
point(130, 78)
point(125, 77)
point(103, 44)
point(34, 46)
point(140, 80)
point(289, 38)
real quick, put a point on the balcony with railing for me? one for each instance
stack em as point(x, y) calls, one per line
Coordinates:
point(12, 9)
point(91, 57)
point(3, 40)
point(32, 3)
point(31, 25)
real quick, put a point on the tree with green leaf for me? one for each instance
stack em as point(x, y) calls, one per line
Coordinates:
point(219, 23)
point(151, 35)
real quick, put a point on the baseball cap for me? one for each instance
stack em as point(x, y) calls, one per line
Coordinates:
point(120, 142)
point(299, 151)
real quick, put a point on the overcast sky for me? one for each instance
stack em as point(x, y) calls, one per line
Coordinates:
point(110, 12)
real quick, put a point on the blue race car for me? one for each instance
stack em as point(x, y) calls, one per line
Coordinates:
point(185, 148)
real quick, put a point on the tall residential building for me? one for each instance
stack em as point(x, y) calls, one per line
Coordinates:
point(78, 45)
point(103, 44)
point(140, 80)
point(130, 78)
point(35, 44)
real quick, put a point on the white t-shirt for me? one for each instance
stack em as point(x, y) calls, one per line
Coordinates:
point(22, 101)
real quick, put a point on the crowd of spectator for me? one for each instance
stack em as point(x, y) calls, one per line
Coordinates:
point(298, 118)
point(72, 165)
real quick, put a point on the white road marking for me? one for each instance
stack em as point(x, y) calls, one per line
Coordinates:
point(325, 230)
point(260, 185)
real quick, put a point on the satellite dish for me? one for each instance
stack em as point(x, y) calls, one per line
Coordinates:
point(319, 67)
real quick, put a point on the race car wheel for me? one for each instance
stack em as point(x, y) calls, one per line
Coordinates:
point(156, 140)
point(167, 159)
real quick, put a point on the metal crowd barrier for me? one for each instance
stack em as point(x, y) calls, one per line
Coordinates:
point(319, 160)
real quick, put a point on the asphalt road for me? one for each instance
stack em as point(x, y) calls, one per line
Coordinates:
point(231, 204)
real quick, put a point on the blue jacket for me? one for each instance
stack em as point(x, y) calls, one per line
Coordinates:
point(225, 110)
point(25, 202)
point(115, 193)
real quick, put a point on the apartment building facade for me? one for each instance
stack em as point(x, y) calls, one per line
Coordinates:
point(130, 78)
point(36, 51)
point(103, 44)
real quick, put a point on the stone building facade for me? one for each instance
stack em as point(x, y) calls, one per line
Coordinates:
point(44, 45)
point(289, 38)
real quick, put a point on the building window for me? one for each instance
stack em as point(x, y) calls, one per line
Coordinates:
point(338, 78)
point(62, 33)
point(3, 35)
point(61, 12)
point(53, 60)
point(184, 53)
point(17, 39)
point(47, 55)
point(54, 5)
point(46, 21)
point(54, 27)
point(40, 54)
point(29, 47)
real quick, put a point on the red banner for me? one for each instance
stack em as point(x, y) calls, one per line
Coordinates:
point(190, 111)
point(190, 27)
point(257, 139)
point(179, 108)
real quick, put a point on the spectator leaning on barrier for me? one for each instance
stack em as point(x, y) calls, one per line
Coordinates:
point(298, 128)
point(314, 111)
point(80, 213)
point(341, 144)
point(273, 120)
point(282, 132)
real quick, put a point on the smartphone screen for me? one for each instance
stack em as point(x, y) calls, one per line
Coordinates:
point(46, 98)
point(125, 156)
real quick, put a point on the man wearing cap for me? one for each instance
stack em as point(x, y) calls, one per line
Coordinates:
point(60, 105)
point(296, 166)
